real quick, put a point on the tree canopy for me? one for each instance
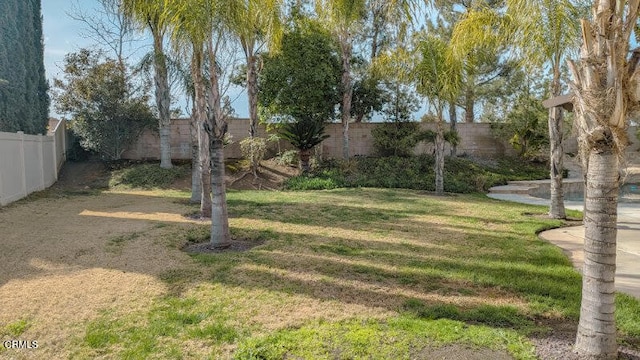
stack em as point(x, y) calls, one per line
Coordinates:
point(24, 103)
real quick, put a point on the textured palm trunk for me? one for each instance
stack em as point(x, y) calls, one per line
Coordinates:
point(346, 96)
point(163, 101)
point(556, 209)
point(439, 163)
point(252, 93)
point(596, 338)
point(605, 87)
point(220, 236)
point(453, 119)
point(305, 156)
point(216, 130)
point(204, 163)
point(196, 185)
point(469, 104)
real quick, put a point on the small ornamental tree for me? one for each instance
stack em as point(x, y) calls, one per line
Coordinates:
point(301, 85)
point(107, 112)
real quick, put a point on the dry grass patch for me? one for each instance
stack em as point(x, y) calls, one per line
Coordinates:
point(104, 276)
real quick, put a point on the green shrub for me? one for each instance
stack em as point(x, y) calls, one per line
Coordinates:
point(416, 172)
point(253, 150)
point(287, 158)
point(146, 176)
point(395, 138)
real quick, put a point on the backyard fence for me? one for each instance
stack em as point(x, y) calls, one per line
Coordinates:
point(30, 163)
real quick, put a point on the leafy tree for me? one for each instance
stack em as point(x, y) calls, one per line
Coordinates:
point(107, 112)
point(345, 19)
point(307, 56)
point(24, 103)
point(525, 126)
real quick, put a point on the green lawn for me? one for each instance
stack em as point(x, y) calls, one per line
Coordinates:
point(355, 273)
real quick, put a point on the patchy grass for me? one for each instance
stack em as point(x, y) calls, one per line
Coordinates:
point(348, 273)
point(146, 176)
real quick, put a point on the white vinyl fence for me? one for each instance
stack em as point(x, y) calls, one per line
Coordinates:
point(30, 163)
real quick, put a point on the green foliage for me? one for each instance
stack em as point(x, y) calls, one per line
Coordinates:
point(302, 79)
point(107, 112)
point(24, 103)
point(253, 150)
point(287, 158)
point(416, 172)
point(395, 138)
point(525, 126)
point(304, 134)
point(368, 97)
point(146, 176)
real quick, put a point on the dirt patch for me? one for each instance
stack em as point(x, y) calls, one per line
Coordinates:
point(271, 176)
point(558, 343)
point(236, 245)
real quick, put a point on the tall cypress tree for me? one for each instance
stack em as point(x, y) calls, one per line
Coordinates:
point(24, 103)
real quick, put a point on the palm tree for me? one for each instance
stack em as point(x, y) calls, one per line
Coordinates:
point(605, 87)
point(438, 76)
point(542, 31)
point(150, 14)
point(200, 23)
point(254, 23)
point(304, 134)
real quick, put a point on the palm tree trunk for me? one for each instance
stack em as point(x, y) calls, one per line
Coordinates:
point(163, 100)
point(220, 236)
point(596, 338)
point(556, 209)
point(196, 186)
point(439, 150)
point(346, 96)
point(252, 93)
point(453, 119)
point(204, 163)
point(469, 103)
point(304, 156)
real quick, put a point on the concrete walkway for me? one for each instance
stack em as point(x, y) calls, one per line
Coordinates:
point(571, 240)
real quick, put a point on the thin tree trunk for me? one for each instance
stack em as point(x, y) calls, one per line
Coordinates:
point(204, 163)
point(439, 150)
point(205, 171)
point(163, 100)
point(556, 209)
point(304, 156)
point(252, 93)
point(220, 236)
point(469, 103)
point(347, 87)
point(596, 338)
point(196, 184)
point(453, 119)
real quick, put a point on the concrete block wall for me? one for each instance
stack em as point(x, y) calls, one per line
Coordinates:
point(476, 140)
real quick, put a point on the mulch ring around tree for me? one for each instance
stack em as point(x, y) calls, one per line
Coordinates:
point(236, 245)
